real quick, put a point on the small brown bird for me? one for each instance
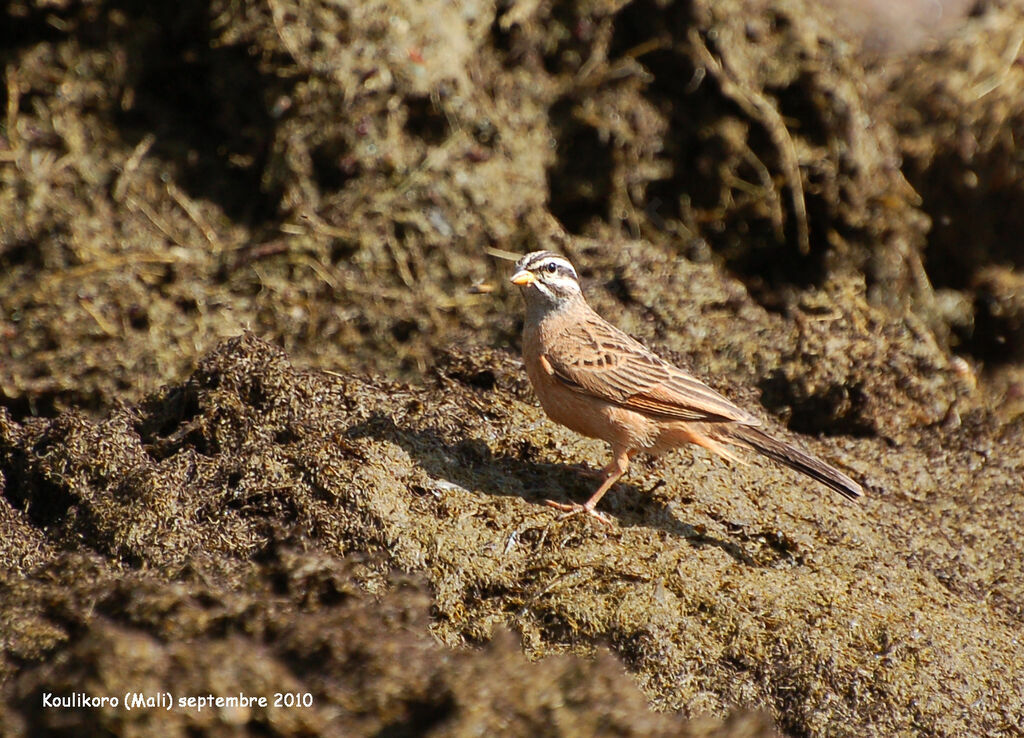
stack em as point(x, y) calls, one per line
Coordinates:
point(596, 380)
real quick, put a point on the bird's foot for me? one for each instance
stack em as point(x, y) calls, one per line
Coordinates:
point(571, 509)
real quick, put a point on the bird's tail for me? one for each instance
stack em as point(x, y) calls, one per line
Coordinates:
point(794, 458)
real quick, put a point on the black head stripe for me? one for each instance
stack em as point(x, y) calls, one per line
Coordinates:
point(539, 262)
point(534, 259)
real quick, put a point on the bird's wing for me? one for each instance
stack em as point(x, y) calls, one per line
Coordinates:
point(602, 361)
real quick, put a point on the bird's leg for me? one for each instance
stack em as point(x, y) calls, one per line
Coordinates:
point(611, 473)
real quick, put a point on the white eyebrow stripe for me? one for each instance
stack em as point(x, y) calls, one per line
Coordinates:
point(563, 264)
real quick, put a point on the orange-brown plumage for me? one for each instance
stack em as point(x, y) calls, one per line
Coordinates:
point(596, 380)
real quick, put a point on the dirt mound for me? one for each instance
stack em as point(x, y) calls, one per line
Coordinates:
point(213, 519)
point(216, 520)
point(305, 627)
point(821, 227)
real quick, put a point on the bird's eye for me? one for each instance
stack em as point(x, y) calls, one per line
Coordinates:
point(552, 268)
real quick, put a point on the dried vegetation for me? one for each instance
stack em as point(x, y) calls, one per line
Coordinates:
point(351, 504)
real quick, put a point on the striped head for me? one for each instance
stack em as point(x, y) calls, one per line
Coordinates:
point(546, 280)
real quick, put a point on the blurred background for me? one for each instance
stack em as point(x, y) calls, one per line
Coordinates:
point(342, 177)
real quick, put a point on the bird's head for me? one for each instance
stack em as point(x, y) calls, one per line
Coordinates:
point(546, 280)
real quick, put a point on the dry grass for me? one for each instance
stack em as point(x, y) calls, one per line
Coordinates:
point(341, 179)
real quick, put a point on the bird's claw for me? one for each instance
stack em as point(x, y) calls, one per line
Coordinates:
point(573, 508)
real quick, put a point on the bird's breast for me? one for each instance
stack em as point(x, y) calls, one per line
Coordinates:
point(581, 412)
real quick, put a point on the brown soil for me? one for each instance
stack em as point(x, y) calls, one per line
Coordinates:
point(263, 428)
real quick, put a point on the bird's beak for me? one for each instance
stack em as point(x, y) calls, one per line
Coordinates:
point(523, 278)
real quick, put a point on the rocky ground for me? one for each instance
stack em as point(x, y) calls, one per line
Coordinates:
point(263, 426)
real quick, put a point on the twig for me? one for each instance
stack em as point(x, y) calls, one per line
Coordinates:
point(105, 326)
point(103, 265)
point(760, 108)
point(192, 211)
point(131, 165)
point(13, 103)
point(1013, 51)
point(143, 207)
point(277, 15)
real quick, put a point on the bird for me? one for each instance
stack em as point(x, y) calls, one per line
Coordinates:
point(598, 381)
